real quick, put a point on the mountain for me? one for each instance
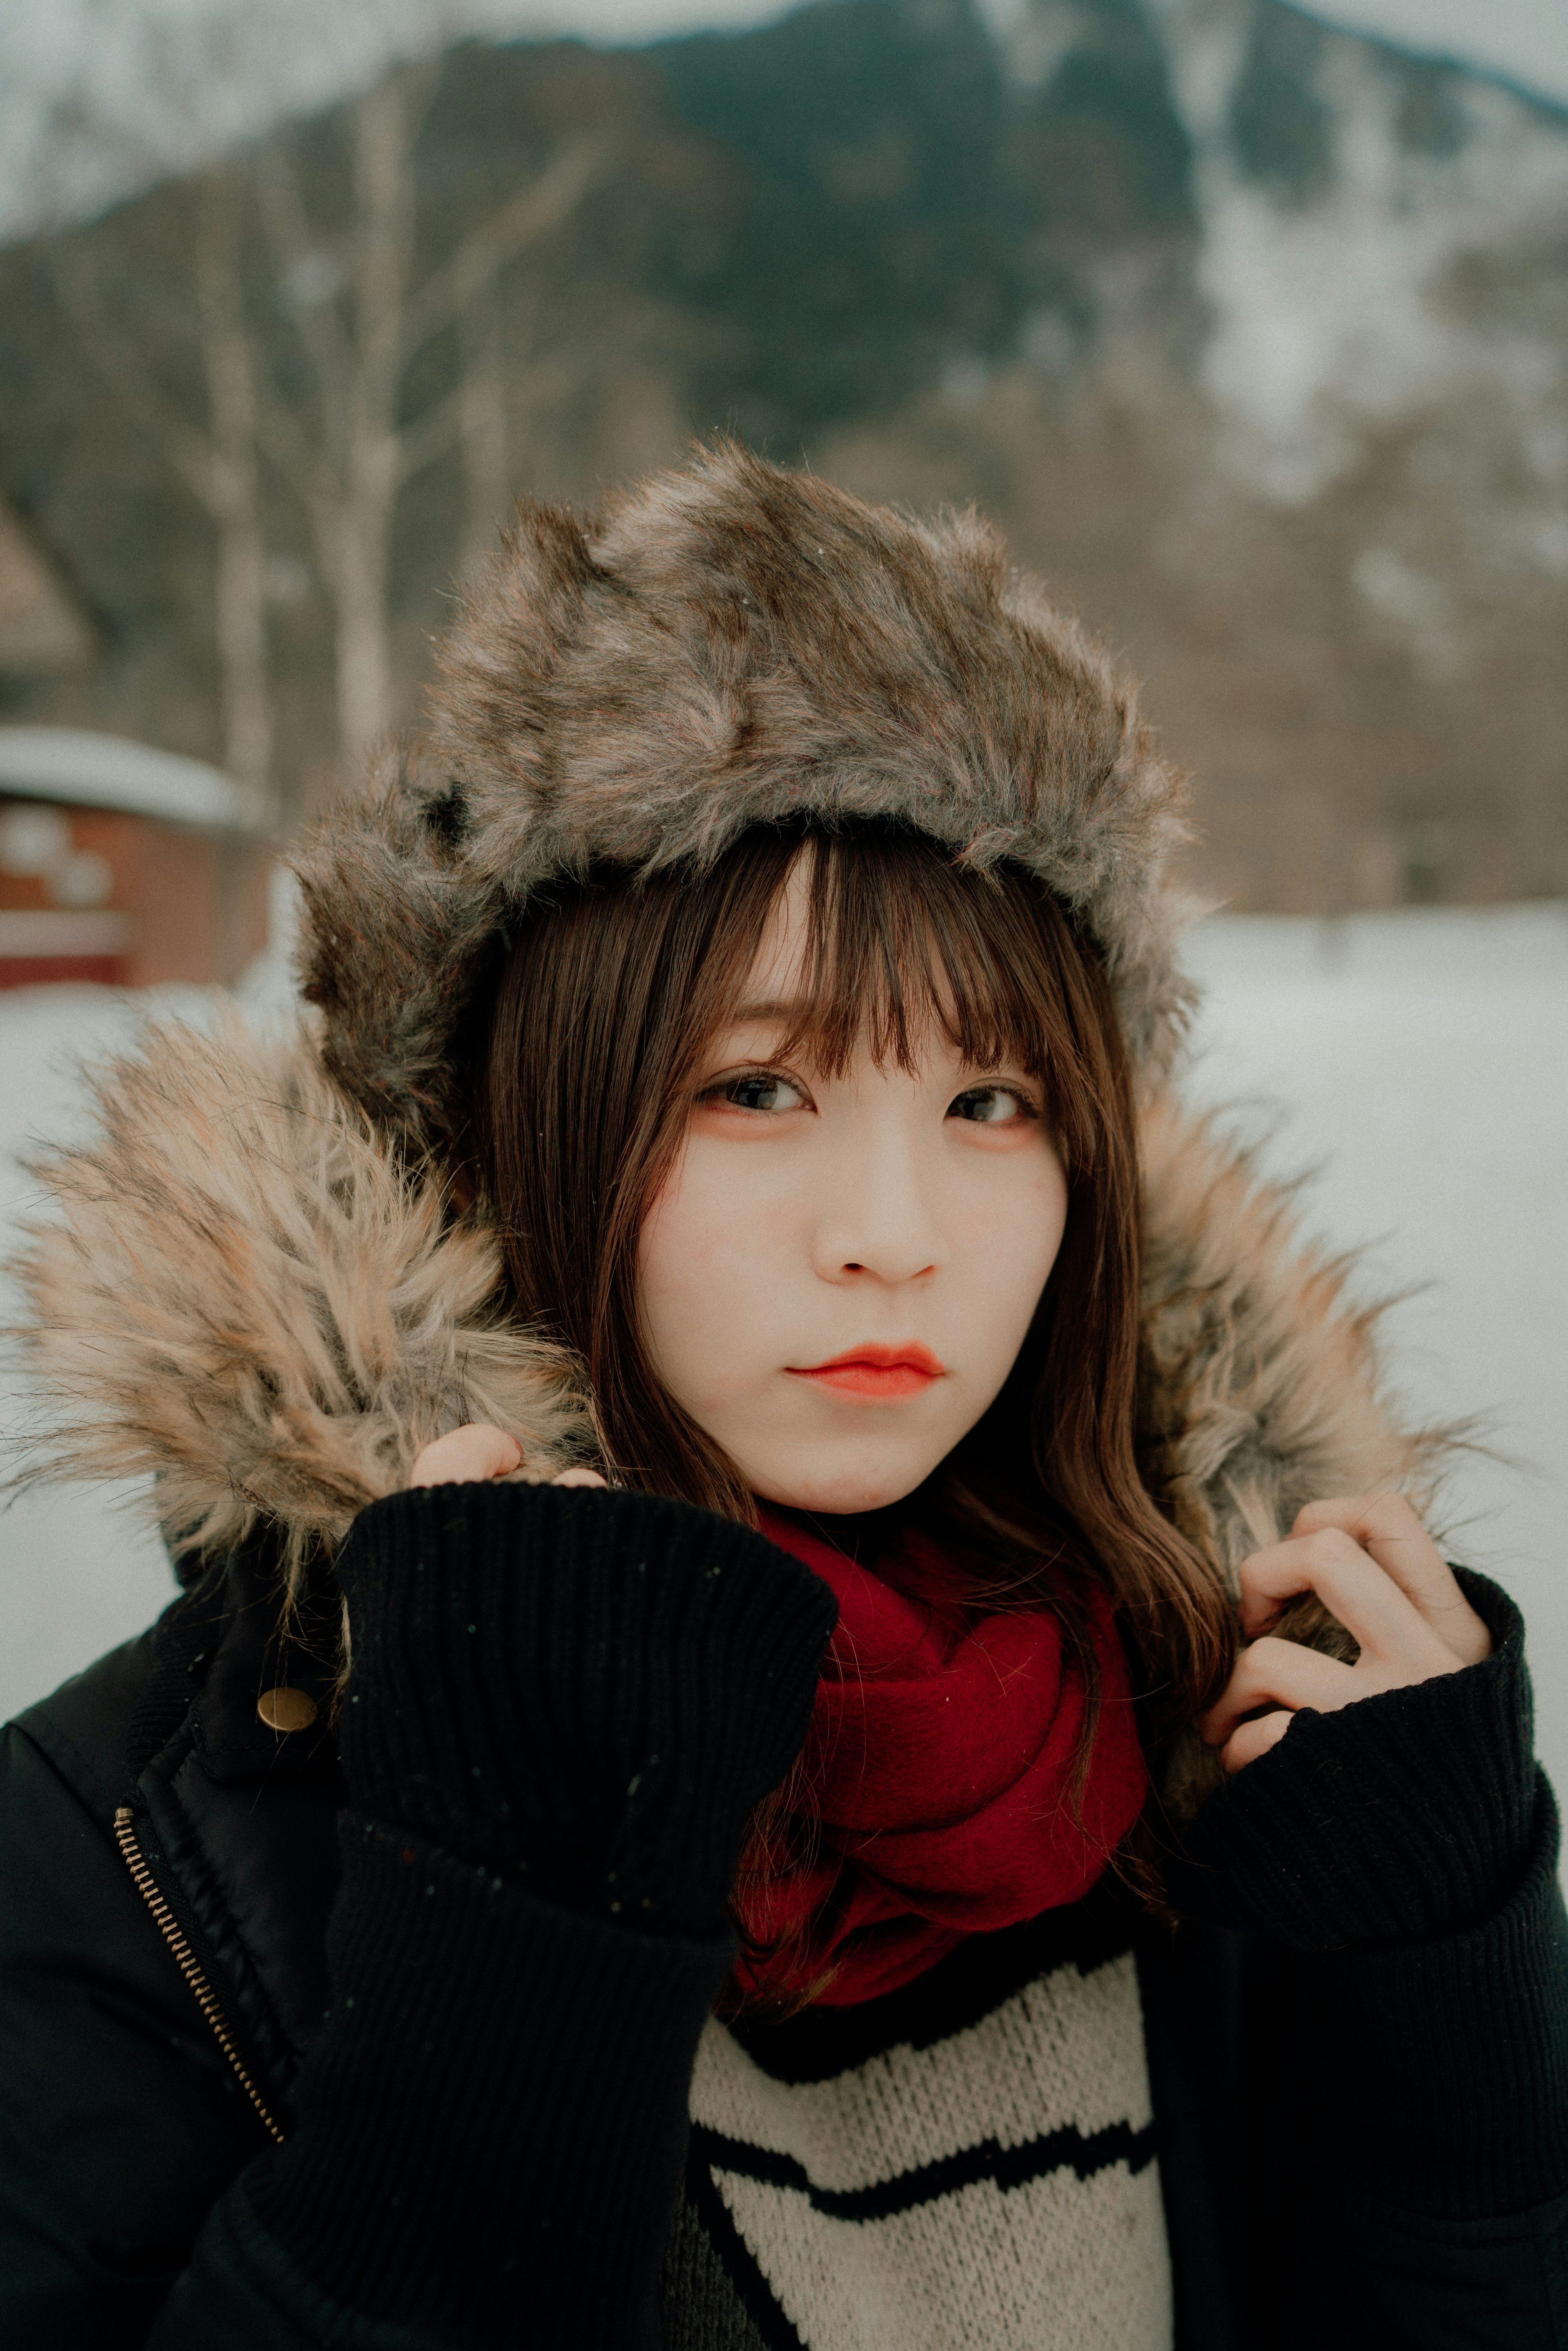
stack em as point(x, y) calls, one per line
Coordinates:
point(1252, 333)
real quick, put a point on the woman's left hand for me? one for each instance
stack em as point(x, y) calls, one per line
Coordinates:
point(473, 1454)
point(1370, 1560)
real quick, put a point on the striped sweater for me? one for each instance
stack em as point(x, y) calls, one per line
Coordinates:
point(971, 2161)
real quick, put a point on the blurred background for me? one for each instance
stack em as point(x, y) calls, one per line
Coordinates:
point(1248, 324)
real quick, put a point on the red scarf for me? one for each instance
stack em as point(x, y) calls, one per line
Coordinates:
point(939, 1767)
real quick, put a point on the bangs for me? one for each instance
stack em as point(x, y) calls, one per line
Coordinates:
point(613, 990)
point(901, 941)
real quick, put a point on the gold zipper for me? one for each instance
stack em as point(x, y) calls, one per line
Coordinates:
point(186, 1958)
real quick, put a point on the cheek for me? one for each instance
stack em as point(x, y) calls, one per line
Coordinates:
point(673, 1278)
point(701, 1290)
point(1011, 1236)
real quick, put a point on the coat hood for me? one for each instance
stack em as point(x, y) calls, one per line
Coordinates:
point(256, 1286)
point(246, 1290)
point(730, 644)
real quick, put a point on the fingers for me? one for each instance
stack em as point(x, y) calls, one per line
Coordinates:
point(467, 1457)
point(1251, 1740)
point(1282, 1674)
point(472, 1454)
point(1385, 1622)
point(1388, 1527)
point(1369, 1559)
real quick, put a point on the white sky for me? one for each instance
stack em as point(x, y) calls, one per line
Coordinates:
point(1526, 40)
point(155, 86)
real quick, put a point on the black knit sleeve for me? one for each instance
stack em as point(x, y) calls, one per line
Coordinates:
point(1405, 1815)
point(1404, 1850)
point(562, 1706)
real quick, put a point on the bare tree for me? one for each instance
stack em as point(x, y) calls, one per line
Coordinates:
point(500, 391)
point(235, 487)
point(362, 318)
point(217, 459)
point(346, 447)
point(484, 427)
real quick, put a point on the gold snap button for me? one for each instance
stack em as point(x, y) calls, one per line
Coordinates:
point(286, 1709)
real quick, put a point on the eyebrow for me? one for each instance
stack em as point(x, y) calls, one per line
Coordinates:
point(786, 1009)
point(768, 1007)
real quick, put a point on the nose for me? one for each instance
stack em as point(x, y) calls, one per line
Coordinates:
point(878, 1221)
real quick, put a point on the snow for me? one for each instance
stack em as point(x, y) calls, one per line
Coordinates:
point(1414, 1063)
point(78, 1571)
point(67, 764)
point(1334, 318)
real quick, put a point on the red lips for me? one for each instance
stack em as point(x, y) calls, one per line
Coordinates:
point(880, 1372)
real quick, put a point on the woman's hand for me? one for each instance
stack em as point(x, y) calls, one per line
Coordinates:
point(587, 1691)
point(1370, 1560)
point(472, 1454)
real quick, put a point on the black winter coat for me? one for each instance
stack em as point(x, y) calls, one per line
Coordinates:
point(1362, 2144)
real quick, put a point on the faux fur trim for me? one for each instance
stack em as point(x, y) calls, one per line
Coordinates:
point(243, 1293)
point(729, 644)
point(1262, 1388)
point(244, 1290)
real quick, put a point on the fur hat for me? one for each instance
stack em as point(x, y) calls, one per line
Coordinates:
point(730, 644)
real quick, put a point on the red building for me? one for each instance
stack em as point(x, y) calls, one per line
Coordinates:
point(117, 862)
point(124, 864)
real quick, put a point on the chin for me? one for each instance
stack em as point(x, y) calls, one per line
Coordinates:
point(840, 1493)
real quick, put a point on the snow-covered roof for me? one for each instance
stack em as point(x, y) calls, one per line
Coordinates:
point(106, 771)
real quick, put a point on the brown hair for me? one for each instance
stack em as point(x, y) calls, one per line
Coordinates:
point(606, 1002)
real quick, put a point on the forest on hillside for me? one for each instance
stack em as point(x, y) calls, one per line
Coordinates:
point(1251, 335)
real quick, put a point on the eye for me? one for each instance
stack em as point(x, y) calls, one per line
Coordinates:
point(760, 1089)
point(991, 1106)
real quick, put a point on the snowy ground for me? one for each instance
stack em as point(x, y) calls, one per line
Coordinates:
point(1419, 1063)
point(1416, 1062)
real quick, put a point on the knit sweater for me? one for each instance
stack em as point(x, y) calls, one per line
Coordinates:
point(521, 2092)
point(970, 2163)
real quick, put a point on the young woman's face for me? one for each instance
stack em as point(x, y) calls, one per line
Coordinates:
point(838, 1273)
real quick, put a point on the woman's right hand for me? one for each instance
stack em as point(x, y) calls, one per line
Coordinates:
point(584, 1692)
point(473, 1454)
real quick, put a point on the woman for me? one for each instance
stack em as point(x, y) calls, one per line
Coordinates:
point(720, 1436)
